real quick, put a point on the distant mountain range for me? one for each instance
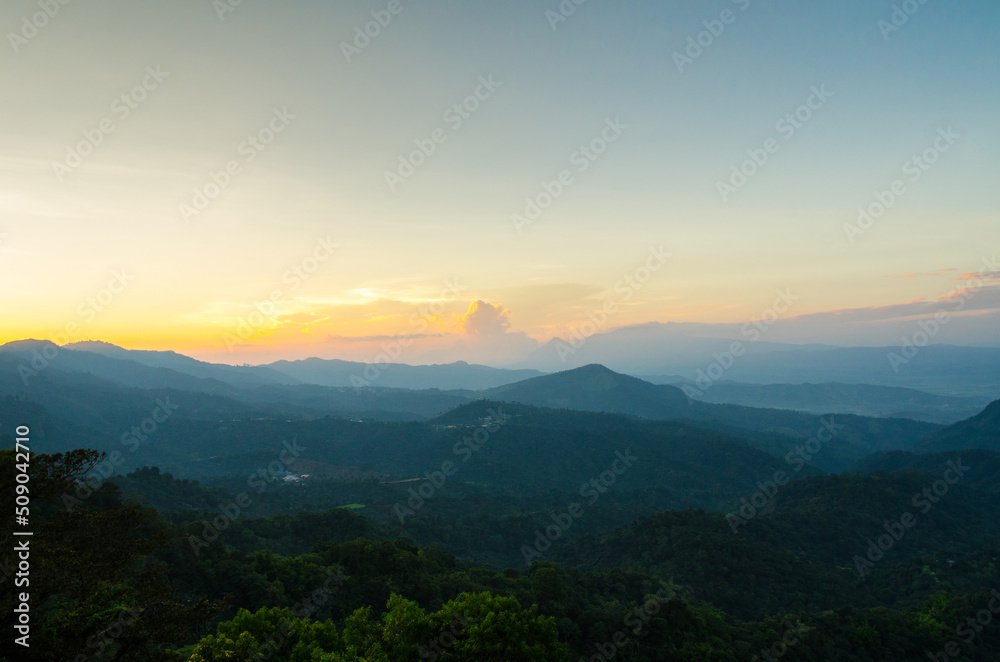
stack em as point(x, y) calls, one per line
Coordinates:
point(97, 387)
point(93, 390)
point(450, 376)
point(241, 376)
point(953, 382)
point(321, 372)
point(596, 388)
point(677, 349)
point(861, 399)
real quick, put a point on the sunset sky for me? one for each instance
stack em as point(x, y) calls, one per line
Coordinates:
point(118, 116)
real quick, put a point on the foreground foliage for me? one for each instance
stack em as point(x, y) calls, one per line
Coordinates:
point(113, 580)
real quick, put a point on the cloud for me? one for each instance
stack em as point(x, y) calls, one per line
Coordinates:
point(979, 275)
point(983, 298)
point(487, 336)
point(972, 314)
point(485, 320)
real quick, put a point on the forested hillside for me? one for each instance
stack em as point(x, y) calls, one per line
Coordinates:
point(685, 584)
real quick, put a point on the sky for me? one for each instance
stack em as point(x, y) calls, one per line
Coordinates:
point(250, 181)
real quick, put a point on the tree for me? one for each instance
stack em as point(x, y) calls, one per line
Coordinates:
point(475, 627)
point(93, 593)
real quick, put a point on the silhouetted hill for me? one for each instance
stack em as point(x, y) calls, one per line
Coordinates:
point(650, 347)
point(87, 387)
point(980, 431)
point(69, 409)
point(596, 388)
point(239, 376)
point(38, 357)
point(43, 372)
point(137, 368)
point(686, 349)
point(532, 451)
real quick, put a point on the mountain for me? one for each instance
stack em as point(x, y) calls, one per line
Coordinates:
point(450, 376)
point(211, 434)
point(239, 376)
point(693, 350)
point(651, 347)
point(99, 358)
point(596, 388)
point(36, 357)
point(70, 408)
point(980, 431)
point(833, 397)
point(76, 408)
point(590, 388)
